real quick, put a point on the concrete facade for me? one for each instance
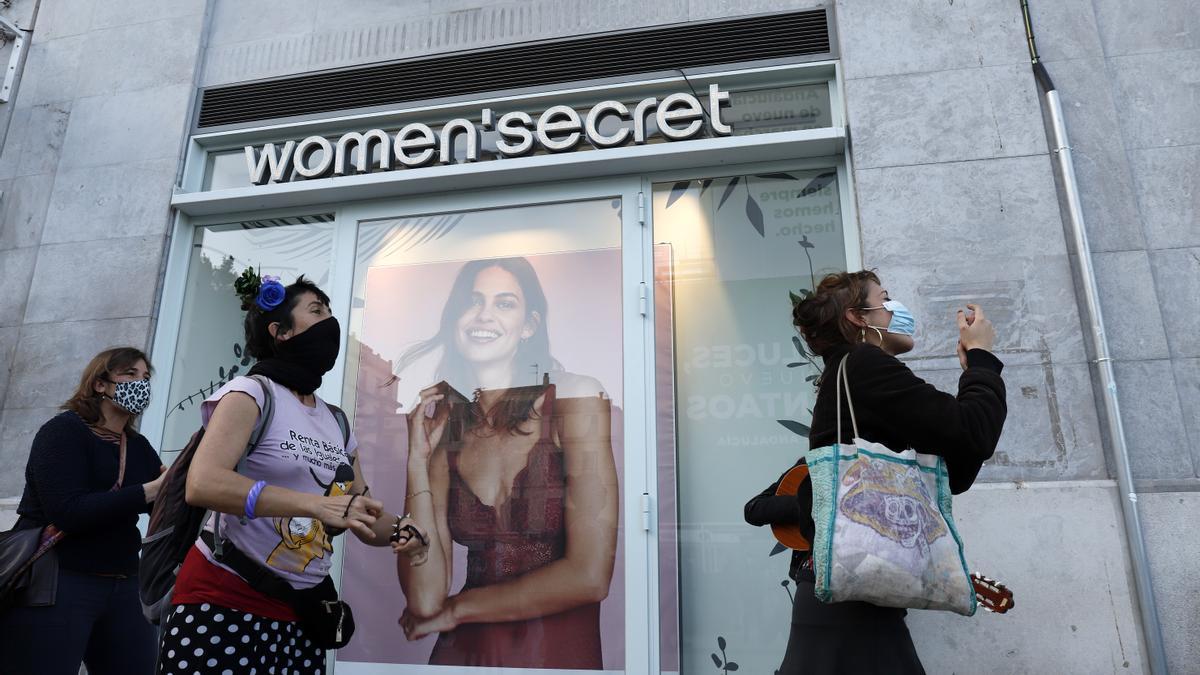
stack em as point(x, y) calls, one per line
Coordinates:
point(956, 197)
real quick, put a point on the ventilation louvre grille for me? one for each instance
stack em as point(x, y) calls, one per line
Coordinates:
point(526, 65)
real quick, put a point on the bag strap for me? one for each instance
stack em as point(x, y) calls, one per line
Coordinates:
point(121, 470)
point(51, 535)
point(265, 414)
point(268, 409)
point(342, 422)
point(843, 380)
point(257, 576)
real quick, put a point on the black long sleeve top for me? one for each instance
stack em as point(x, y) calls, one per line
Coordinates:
point(67, 482)
point(900, 410)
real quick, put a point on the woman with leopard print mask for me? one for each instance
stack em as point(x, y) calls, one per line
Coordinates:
point(88, 477)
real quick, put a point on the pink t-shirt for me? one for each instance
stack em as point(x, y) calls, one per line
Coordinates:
point(301, 450)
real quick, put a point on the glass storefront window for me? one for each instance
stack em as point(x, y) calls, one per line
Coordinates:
point(209, 350)
point(734, 390)
point(731, 391)
point(516, 313)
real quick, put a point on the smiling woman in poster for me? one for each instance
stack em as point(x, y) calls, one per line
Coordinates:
point(522, 476)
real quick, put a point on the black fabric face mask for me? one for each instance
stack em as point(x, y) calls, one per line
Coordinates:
point(301, 361)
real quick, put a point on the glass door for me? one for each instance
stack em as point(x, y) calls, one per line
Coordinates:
point(734, 396)
point(522, 308)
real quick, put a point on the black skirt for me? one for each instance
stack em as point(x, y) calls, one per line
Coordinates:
point(850, 638)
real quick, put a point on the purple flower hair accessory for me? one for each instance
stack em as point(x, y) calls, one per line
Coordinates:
point(270, 293)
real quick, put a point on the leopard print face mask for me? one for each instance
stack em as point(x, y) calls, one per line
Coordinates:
point(133, 396)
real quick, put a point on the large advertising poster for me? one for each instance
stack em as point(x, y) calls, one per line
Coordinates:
point(523, 460)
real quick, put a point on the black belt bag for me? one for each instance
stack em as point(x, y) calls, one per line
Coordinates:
point(325, 619)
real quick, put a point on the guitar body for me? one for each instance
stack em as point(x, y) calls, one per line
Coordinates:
point(789, 535)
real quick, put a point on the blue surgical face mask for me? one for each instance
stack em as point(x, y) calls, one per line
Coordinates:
point(902, 322)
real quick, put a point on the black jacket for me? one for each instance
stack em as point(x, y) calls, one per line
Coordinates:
point(900, 410)
point(67, 482)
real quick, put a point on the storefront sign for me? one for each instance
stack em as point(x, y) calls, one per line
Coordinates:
point(678, 117)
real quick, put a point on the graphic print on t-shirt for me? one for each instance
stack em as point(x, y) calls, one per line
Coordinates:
point(303, 540)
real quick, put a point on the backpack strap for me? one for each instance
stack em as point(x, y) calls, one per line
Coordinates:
point(343, 423)
point(268, 409)
point(265, 413)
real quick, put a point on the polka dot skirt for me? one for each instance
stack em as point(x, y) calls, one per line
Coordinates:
point(204, 639)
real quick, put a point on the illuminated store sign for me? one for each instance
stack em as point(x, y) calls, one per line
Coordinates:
point(561, 128)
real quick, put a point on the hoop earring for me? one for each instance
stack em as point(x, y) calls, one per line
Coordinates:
point(862, 334)
point(880, 334)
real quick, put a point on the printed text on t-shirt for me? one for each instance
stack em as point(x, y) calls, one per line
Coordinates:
point(315, 451)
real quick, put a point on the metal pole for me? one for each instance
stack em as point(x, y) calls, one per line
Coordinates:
point(1155, 650)
point(16, 64)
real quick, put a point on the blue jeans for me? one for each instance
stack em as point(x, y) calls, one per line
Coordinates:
point(95, 620)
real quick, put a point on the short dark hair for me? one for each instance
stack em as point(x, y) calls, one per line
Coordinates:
point(85, 402)
point(259, 342)
point(821, 317)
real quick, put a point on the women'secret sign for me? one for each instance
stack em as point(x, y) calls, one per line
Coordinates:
point(560, 128)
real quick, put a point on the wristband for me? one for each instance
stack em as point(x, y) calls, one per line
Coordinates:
point(252, 498)
point(348, 505)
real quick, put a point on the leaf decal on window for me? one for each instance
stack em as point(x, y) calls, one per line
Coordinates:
point(728, 191)
point(794, 427)
point(755, 214)
point(677, 191)
point(818, 183)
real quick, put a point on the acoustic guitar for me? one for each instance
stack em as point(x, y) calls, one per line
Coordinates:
point(992, 595)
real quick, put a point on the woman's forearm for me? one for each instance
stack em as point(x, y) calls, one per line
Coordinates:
point(427, 585)
point(561, 585)
point(88, 510)
point(225, 491)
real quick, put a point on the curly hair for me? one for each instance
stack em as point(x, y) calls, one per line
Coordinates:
point(821, 317)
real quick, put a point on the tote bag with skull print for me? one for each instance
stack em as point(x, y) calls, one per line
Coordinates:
point(884, 531)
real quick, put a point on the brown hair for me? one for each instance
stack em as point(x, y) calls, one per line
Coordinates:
point(821, 317)
point(85, 402)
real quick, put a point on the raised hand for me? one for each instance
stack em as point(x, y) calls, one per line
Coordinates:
point(349, 512)
point(410, 539)
point(151, 489)
point(974, 332)
point(425, 431)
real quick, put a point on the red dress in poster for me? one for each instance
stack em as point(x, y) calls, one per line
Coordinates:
point(521, 534)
